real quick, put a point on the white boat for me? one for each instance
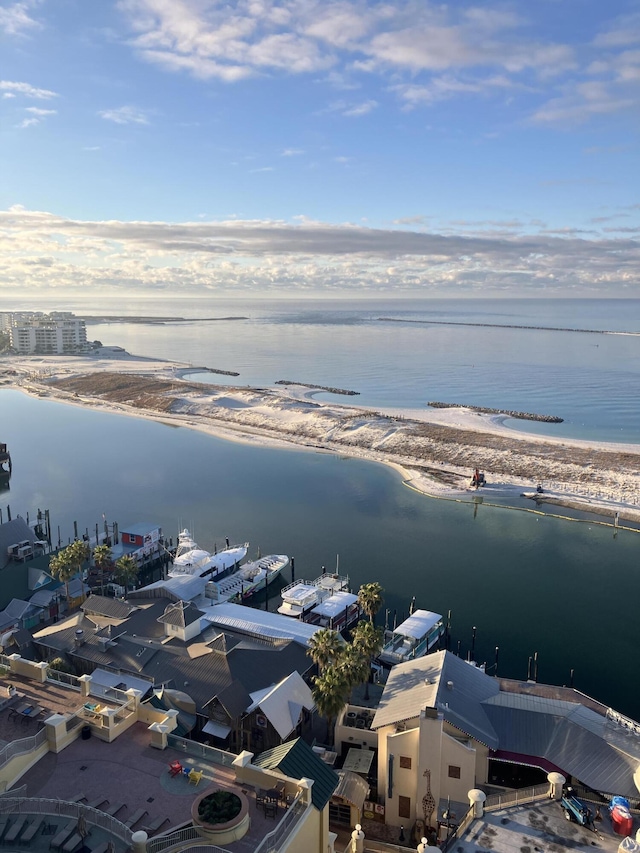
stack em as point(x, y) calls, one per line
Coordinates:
point(248, 579)
point(189, 559)
point(301, 597)
point(415, 637)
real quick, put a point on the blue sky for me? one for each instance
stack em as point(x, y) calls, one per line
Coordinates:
point(299, 146)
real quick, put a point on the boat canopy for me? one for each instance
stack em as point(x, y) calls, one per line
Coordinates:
point(336, 604)
point(419, 624)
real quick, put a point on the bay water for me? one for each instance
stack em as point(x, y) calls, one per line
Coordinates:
point(528, 583)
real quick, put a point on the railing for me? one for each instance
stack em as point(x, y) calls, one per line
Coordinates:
point(210, 753)
point(180, 838)
point(20, 747)
point(14, 792)
point(93, 817)
point(63, 678)
point(274, 841)
point(101, 691)
point(514, 798)
point(73, 722)
point(459, 831)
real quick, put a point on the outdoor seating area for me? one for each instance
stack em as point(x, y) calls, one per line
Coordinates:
point(271, 800)
point(24, 712)
point(176, 768)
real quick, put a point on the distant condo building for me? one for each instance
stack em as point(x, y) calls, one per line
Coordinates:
point(35, 332)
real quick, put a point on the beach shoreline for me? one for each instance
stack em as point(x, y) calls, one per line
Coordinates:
point(435, 451)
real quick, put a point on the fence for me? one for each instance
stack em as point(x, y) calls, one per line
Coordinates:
point(459, 831)
point(65, 678)
point(210, 753)
point(173, 839)
point(274, 841)
point(93, 817)
point(514, 798)
point(19, 747)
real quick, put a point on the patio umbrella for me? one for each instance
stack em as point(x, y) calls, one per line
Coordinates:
point(83, 830)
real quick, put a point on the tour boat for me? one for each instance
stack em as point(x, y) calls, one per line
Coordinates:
point(189, 559)
point(415, 637)
point(248, 579)
point(301, 597)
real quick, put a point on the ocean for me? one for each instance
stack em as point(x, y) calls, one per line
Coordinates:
point(473, 351)
point(528, 583)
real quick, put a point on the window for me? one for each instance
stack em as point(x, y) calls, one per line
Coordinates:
point(132, 538)
point(405, 762)
point(404, 807)
point(454, 772)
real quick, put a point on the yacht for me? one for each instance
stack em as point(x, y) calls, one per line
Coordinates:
point(189, 559)
point(416, 636)
point(248, 579)
point(301, 597)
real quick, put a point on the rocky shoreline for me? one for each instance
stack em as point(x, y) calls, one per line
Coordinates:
point(485, 410)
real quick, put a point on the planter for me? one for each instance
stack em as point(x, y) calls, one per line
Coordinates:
point(227, 830)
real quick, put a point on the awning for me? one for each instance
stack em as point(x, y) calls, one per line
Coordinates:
point(216, 729)
point(352, 788)
point(359, 760)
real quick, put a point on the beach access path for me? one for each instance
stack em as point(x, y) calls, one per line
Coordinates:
point(435, 450)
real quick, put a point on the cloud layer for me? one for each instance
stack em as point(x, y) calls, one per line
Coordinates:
point(42, 250)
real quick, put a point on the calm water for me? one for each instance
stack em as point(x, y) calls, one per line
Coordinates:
point(528, 583)
point(590, 380)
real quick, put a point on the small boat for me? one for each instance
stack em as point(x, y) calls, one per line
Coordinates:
point(189, 559)
point(248, 579)
point(621, 817)
point(415, 637)
point(301, 597)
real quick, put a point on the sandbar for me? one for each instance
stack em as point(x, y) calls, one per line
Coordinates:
point(435, 450)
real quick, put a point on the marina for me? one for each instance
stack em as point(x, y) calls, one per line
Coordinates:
point(300, 597)
point(414, 637)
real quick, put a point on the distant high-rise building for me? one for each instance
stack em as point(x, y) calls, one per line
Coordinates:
point(56, 333)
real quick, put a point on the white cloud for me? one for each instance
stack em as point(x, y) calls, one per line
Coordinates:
point(15, 19)
point(38, 111)
point(42, 249)
point(125, 115)
point(292, 152)
point(26, 89)
point(28, 122)
point(360, 109)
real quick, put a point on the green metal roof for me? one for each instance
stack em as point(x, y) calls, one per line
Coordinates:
point(296, 759)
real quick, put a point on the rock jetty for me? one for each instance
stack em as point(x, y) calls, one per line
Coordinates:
point(485, 410)
point(319, 387)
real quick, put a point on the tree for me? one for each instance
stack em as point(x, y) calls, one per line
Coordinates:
point(330, 692)
point(68, 562)
point(370, 599)
point(354, 665)
point(368, 641)
point(324, 648)
point(61, 569)
point(126, 571)
point(102, 557)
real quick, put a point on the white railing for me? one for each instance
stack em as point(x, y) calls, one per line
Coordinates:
point(273, 842)
point(624, 722)
point(93, 817)
point(514, 798)
point(20, 747)
point(63, 678)
point(175, 839)
point(209, 753)
point(459, 831)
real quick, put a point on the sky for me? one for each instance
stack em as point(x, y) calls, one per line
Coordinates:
point(282, 147)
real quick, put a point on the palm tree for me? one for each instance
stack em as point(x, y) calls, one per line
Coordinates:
point(329, 692)
point(102, 557)
point(370, 599)
point(126, 571)
point(368, 640)
point(354, 665)
point(68, 562)
point(62, 569)
point(324, 648)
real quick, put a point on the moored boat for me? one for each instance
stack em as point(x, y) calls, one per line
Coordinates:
point(415, 637)
point(621, 817)
point(189, 559)
point(301, 597)
point(248, 579)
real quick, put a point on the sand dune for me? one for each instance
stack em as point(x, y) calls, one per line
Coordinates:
point(435, 450)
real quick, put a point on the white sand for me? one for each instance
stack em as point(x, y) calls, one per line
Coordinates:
point(437, 464)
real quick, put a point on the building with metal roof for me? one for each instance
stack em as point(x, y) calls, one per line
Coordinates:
point(443, 716)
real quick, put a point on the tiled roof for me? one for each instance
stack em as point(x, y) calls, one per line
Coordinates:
point(296, 759)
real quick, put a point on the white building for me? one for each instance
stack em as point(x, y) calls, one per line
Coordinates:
point(52, 334)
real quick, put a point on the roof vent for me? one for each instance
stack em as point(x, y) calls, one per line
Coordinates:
point(79, 637)
point(449, 685)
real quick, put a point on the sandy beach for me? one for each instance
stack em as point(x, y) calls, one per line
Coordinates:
point(434, 450)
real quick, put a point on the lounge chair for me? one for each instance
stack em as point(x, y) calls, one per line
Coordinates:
point(64, 835)
point(103, 847)
point(31, 831)
point(135, 817)
point(14, 830)
point(99, 801)
point(73, 843)
point(155, 825)
point(4, 826)
point(114, 809)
